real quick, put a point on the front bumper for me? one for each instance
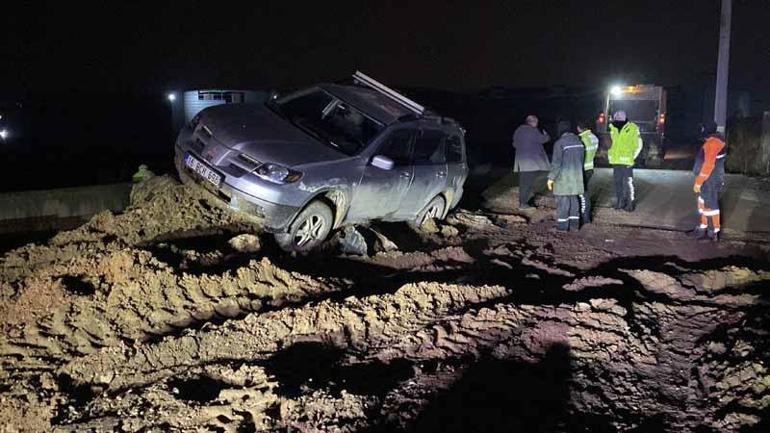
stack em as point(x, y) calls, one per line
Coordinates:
point(275, 217)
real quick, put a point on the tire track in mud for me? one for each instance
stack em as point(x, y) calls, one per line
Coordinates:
point(464, 330)
point(618, 364)
point(144, 299)
point(353, 323)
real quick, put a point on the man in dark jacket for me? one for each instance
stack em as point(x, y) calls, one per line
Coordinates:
point(709, 172)
point(566, 180)
point(531, 159)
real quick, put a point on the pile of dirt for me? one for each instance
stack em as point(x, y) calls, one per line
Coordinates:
point(177, 315)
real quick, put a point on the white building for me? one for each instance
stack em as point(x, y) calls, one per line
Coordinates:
point(184, 108)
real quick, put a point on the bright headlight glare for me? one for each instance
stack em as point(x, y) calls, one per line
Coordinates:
point(277, 173)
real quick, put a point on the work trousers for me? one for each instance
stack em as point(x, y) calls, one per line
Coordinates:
point(567, 212)
point(528, 179)
point(623, 176)
point(708, 206)
point(585, 198)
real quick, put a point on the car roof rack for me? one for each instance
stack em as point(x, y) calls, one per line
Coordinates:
point(370, 82)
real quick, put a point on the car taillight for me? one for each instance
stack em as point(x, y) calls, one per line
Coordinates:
point(601, 118)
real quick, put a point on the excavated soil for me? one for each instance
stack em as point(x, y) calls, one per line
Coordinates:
point(177, 315)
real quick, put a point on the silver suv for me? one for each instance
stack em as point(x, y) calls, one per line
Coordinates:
point(326, 156)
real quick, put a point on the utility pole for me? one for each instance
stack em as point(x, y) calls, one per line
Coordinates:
point(720, 102)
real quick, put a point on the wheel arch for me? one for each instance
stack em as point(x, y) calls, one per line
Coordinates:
point(448, 196)
point(337, 200)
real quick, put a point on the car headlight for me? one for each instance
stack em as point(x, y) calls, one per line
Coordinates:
point(277, 173)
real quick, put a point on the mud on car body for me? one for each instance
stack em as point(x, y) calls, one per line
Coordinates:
point(326, 156)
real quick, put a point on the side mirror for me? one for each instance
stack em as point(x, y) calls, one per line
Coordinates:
point(382, 162)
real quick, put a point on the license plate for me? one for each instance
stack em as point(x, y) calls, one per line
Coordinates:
point(203, 170)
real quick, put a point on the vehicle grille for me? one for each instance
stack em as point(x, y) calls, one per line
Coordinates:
point(236, 170)
point(197, 146)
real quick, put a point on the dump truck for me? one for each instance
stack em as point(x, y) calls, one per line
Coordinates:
point(645, 105)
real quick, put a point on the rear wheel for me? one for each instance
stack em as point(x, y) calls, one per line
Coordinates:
point(433, 210)
point(308, 230)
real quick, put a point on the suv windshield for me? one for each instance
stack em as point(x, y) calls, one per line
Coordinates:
point(329, 119)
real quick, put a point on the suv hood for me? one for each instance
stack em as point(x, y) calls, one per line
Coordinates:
point(264, 135)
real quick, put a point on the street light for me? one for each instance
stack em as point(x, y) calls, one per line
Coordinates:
point(171, 97)
point(3, 134)
point(616, 90)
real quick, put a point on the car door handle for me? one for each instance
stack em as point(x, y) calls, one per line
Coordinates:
point(441, 174)
point(406, 174)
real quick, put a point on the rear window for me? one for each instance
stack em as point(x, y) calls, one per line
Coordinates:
point(454, 149)
point(428, 149)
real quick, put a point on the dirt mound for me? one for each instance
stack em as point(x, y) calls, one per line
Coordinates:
point(177, 315)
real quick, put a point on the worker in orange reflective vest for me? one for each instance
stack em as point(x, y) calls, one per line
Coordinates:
point(709, 172)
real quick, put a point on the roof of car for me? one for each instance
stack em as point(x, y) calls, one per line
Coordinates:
point(373, 103)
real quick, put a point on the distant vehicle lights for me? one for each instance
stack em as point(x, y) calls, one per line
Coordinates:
point(4, 134)
point(618, 89)
point(171, 97)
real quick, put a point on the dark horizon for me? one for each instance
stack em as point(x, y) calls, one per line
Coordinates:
point(54, 47)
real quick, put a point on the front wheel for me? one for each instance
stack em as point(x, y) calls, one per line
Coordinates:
point(433, 210)
point(308, 230)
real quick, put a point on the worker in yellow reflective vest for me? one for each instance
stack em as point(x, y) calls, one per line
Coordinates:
point(625, 147)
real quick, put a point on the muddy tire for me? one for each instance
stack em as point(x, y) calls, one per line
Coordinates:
point(433, 210)
point(309, 229)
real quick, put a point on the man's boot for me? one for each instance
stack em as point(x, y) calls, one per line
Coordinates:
point(710, 236)
point(697, 233)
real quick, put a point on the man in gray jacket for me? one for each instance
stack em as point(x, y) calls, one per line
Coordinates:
point(531, 159)
point(566, 180)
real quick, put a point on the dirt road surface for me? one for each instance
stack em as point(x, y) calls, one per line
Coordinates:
point(175, 316)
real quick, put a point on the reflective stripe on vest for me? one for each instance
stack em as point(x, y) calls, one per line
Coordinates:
point(591, 144)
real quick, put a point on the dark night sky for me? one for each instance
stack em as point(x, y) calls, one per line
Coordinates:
point(138, 46)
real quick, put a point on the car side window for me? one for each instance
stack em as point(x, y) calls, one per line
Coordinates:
point(428, 148)
point(398, 146)
point(454, 149)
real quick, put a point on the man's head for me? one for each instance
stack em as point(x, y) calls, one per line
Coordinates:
point(708, 128)
point(619, 116)
point(531, 120)
point(563, 127)
point(582, 126)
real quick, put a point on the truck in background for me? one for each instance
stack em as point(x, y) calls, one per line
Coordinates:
point(645, 105)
